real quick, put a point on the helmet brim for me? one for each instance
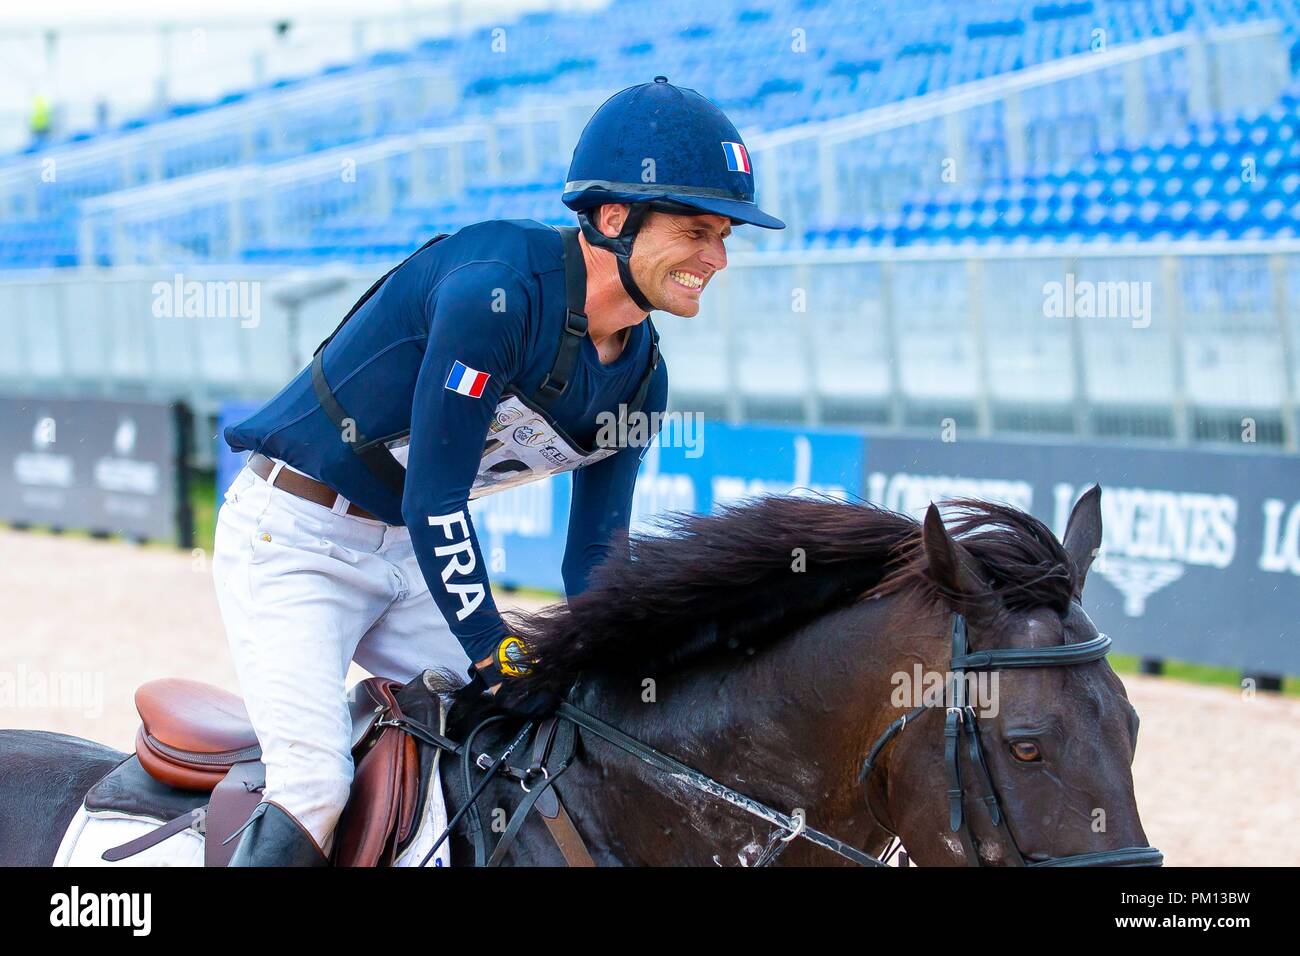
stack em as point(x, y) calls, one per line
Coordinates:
point(736, 210)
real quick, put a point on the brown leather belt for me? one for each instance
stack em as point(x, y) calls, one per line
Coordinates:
point(309, 489)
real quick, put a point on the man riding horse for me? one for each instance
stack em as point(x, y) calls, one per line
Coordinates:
point(485, 360)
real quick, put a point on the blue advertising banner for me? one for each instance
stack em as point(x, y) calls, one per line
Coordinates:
point(1200, 557)
point(732, 462)
point(523, 531)
point(1200, 560)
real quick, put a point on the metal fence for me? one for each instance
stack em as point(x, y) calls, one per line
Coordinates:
point(1188, 343)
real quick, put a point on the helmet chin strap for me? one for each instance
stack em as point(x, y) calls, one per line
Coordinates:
point(621, 246)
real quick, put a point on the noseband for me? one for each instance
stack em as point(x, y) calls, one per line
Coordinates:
point(961, 725)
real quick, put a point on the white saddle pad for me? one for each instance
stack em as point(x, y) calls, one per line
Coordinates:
point(90, 834)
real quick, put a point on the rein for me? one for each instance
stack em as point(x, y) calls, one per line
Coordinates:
point(788, 827)
point(960, 726)
point(794, 826)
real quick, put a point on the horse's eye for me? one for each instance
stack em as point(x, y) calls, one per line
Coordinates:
point(1026, 751)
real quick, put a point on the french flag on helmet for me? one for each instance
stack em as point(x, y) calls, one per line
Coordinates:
point(737, 158)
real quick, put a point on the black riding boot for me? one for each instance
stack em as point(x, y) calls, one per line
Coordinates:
point(272, 837)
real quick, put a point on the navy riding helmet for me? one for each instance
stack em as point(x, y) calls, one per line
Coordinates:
point(659, 146)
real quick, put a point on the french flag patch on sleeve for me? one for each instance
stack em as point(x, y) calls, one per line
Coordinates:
point(467, 381)
point(737, 158)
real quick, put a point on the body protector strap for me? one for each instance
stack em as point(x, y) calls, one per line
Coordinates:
point(377, 454)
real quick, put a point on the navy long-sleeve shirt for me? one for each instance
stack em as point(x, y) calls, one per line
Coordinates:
point(492, 298)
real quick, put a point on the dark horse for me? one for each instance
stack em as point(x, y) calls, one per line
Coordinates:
point(766, 645)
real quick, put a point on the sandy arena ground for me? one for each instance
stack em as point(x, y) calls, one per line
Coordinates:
point(1217, 778)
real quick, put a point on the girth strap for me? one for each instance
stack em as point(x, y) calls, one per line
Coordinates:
point(169, 829)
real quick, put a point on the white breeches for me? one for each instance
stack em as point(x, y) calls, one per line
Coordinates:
point(304, 590)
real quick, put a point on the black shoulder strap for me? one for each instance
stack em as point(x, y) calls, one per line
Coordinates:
point(557, 379)
point(375, 455)
point(556, 382)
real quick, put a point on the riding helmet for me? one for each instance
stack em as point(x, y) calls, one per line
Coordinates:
point(659, 146)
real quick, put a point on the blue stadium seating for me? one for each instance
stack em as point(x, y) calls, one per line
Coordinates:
point(772, 64)
point(1227, 178)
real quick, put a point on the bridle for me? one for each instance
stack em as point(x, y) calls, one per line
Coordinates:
point(961, 723)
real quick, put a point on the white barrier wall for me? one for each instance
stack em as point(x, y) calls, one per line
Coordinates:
point(1189, 342)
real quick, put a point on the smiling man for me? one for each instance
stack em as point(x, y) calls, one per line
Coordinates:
point(485, 360)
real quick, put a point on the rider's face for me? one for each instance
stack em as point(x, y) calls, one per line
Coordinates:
point(674, 257)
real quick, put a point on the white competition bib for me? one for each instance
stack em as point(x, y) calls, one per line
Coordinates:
point(522, 446)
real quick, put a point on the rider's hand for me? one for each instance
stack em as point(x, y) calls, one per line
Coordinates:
point(484, 665)
point(497, 676)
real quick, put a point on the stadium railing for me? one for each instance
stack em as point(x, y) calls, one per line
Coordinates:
point(1184, 342)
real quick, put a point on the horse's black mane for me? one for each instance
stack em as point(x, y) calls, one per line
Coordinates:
point(753, 572)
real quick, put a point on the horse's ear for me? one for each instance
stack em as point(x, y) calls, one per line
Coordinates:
point(952, 568)
point(1083, 534)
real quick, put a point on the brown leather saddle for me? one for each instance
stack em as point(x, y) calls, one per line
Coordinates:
point(197, 764)
point(196, 752)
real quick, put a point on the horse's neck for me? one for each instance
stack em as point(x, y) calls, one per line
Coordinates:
point(788, 725)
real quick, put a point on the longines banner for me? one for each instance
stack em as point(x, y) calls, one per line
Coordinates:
point(94, 465)
point(1200, 559)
